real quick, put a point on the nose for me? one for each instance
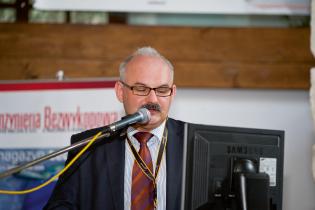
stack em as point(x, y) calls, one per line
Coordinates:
point(152, 97)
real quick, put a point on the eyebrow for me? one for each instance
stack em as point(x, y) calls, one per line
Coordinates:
point(139, 83)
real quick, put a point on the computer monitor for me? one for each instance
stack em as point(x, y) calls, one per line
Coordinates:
point(232, 168)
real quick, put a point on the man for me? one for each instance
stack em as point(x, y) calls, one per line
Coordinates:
point(110, 175)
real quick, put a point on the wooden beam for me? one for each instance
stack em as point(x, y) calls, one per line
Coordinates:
point(203, 57)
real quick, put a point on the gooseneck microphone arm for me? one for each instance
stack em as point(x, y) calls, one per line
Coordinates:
point(142, 116)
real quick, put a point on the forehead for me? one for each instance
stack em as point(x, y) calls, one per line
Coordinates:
point(149, 70)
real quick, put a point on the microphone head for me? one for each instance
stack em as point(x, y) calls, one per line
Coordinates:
point(145, 115)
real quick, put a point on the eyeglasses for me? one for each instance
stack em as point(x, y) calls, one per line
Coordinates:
point(141, 90)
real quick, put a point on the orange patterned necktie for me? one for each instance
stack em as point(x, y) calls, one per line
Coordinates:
point(142, 189)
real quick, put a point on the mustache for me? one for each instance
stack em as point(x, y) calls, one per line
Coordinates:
point(152, 106)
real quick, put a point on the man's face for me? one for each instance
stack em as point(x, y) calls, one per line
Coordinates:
point(152, 72)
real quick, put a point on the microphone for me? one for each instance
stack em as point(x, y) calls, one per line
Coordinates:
point(142, 116)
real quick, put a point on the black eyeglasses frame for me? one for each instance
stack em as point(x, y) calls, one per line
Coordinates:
point(147, 88)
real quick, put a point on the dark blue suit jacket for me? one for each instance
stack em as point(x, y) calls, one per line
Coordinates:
point(96, 180)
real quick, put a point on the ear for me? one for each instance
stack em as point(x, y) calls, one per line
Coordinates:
point(119, 91)
point(174, 91)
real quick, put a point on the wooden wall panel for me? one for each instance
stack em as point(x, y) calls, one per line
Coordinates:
point(203, 57)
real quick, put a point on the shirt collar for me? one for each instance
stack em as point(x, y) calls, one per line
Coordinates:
point(157, 132)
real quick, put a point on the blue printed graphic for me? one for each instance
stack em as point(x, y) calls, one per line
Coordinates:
point(28, 178)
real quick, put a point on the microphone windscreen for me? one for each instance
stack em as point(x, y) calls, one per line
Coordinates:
point(146, 116)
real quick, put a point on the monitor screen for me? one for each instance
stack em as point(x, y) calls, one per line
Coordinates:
point(232, 168)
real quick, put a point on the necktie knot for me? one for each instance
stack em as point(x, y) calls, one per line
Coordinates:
point(143, 137)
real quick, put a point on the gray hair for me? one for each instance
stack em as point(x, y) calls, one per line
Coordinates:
point(146, 51)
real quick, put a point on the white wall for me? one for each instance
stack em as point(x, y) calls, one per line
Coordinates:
point(269, 109)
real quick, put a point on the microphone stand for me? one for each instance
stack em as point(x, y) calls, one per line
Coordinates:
point(81, 143)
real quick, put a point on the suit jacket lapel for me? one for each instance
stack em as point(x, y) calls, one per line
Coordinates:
point(116, 167)
point(174, 157)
